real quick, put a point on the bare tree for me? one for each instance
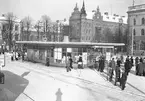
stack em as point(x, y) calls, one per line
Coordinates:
point(46, 26)
point(38, 28)
point(8, 28)
point(27, 24)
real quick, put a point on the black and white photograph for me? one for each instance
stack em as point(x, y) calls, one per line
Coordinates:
point(72, 50)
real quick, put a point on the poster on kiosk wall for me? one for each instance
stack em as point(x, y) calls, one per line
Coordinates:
point(58, 53)
point(84, 56)
point(108, 56)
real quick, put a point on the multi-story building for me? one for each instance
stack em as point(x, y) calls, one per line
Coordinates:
point(94, 26)
point(136, 23)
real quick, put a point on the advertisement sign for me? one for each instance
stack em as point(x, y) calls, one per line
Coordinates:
point(58, 53)
point(69, 50)
point(84, 56)
point(108, 56)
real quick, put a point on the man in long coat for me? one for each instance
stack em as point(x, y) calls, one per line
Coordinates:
point(127, 66)
point(141, 66)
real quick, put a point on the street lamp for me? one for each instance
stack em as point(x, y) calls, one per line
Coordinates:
point(132, 41)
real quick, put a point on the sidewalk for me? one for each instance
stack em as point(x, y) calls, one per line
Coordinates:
point(83, 74)
point(89, 77)
point(89, 83)
point(134, 84)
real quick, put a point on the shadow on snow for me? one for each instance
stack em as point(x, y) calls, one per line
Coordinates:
point(14, 84)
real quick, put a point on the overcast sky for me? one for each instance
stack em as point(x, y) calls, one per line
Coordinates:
point(60, 9)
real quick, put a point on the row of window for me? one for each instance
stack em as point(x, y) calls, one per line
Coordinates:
point(86, 24)
point(86, 38)
point(142, 21)
point(87, 31)
point(16, 27)
point(141, 45)
point(142, 32)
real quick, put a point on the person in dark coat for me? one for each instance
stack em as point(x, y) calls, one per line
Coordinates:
point(80, 63)
point(71, 61)
point(131, 59)
point(23, 56)
point(113, 68)
point(102, 64)
point(68, 65)
point(127, 66)
point(137, 64)
point(122, 60)
point(118, 62)
point(144, 67)
point(47, 61)
point(100, 60)
point(140, 67)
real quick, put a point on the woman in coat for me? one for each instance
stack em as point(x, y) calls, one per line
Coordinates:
point(68, 65)
point(140, 67)
point(127, 66)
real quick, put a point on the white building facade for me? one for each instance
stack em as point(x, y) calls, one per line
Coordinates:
point(136, 24)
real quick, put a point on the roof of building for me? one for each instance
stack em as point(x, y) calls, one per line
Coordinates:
point(109, 18)
point(68, 44)
point(2, 18)
point(136, 7)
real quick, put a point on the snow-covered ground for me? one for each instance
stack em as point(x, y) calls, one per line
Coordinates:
point(27, 81)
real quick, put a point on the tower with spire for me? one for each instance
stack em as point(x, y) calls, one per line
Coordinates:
point(74, 22)
point(83, 11)
point(97, 15)
point(76, 13)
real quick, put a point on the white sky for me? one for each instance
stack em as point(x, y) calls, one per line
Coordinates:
point(60, 9)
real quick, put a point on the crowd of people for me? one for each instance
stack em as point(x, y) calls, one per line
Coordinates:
point(15, 56)
point(140, 66)
point(120, 69)
point(69, 63)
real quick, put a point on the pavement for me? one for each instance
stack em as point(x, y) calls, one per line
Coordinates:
point(26, 81)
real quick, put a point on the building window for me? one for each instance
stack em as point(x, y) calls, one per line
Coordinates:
point(134, 32)
point(82, 38)
point(142, 31)
point(16, 27)
point(89, 37)
point(142, 21)
point(142, 45)
point(134, 22)
point(78, 24)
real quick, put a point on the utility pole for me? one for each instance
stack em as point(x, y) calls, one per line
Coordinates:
point(132, 37)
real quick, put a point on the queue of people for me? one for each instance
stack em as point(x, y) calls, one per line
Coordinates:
point(114, 68)
point(15, 56)
point(69, 63)
point(140, 66)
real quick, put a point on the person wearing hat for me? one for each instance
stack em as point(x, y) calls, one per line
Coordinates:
point(127, 65)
